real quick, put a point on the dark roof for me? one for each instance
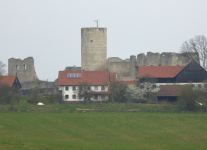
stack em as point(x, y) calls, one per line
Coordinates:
point(92, 77)
point(160, 71)
point(8, 80)
point(170, 90)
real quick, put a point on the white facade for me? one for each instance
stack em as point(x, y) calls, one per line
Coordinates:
point(202, 86)
point(69, 93)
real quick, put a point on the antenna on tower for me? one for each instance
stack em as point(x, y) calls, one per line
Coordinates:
point(96, 22)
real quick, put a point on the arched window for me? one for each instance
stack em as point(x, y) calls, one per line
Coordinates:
point(17, 67)
point(24, 67)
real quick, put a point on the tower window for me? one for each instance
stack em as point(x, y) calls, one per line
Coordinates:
point(91, 40)
point(17, 67)
point(24, 67)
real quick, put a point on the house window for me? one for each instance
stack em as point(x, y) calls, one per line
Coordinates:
point(66, 96)
point(102, 88)
point(66, 88)
point(96, 96)
point(89, 88)
point(74, 88)
point(74, 96)
point(193, 85)
point(199, 85)
point(96, 88)
point(17, 67)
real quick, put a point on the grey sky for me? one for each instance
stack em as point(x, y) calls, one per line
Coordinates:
point(50, 30)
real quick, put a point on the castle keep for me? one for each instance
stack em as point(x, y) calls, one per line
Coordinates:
point(93, 48)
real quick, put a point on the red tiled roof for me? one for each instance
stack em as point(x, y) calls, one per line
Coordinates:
point(130, 82)
point(170, 90)
point(92, 77)
point(160, 71)
point(8, 80)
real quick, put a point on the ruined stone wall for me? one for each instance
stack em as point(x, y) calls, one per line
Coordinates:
point(121, 67)
point(73, 68)
point(128, 69)
point(93, 48)
point(24, 69)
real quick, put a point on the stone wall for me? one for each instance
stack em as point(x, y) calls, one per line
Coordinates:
point(93, 48)
point(24, 69)
point(73, 68)
point(128, 69)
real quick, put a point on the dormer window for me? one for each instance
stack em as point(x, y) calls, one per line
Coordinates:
point(74, 75)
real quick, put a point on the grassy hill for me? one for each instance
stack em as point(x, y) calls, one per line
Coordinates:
point(51, 131)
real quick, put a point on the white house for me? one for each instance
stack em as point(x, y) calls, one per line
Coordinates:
point(68, 83)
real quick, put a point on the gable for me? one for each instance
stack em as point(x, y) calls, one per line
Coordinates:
point(8, 80)
point(193, 72)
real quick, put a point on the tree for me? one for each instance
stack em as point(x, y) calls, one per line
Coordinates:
point(148, 86)
point(189, 97)
point(118, 91)
point(6, 95)
point(2, 69)
point(83, 91)
point(34, 95)
point(198, 44)
point(17, 94)
point(134, 94)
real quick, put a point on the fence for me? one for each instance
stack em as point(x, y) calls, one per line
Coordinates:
point(101, 108)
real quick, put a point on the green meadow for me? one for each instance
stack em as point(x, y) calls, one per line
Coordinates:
point(92, 131)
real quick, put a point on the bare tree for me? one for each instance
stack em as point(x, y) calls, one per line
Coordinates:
point(6, 95)
point(2, 68)
point(83, 91)
point(198, 44)
point(118, 91)
point(34, 95)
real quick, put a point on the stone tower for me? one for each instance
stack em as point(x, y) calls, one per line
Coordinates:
point(93, 48)
point(23, 68)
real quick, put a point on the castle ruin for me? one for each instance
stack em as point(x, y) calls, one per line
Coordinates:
point(128, 69)
point(24, 69)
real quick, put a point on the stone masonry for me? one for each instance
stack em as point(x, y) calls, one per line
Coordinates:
point(93, 48)
point(24, 69)
point(128, 69)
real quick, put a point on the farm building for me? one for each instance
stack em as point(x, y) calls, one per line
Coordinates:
point(193, 72)
point(11, 81)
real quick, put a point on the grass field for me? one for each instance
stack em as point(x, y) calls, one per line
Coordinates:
point(52, 131)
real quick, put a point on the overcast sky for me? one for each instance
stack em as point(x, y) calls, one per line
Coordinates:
point(50, 30)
